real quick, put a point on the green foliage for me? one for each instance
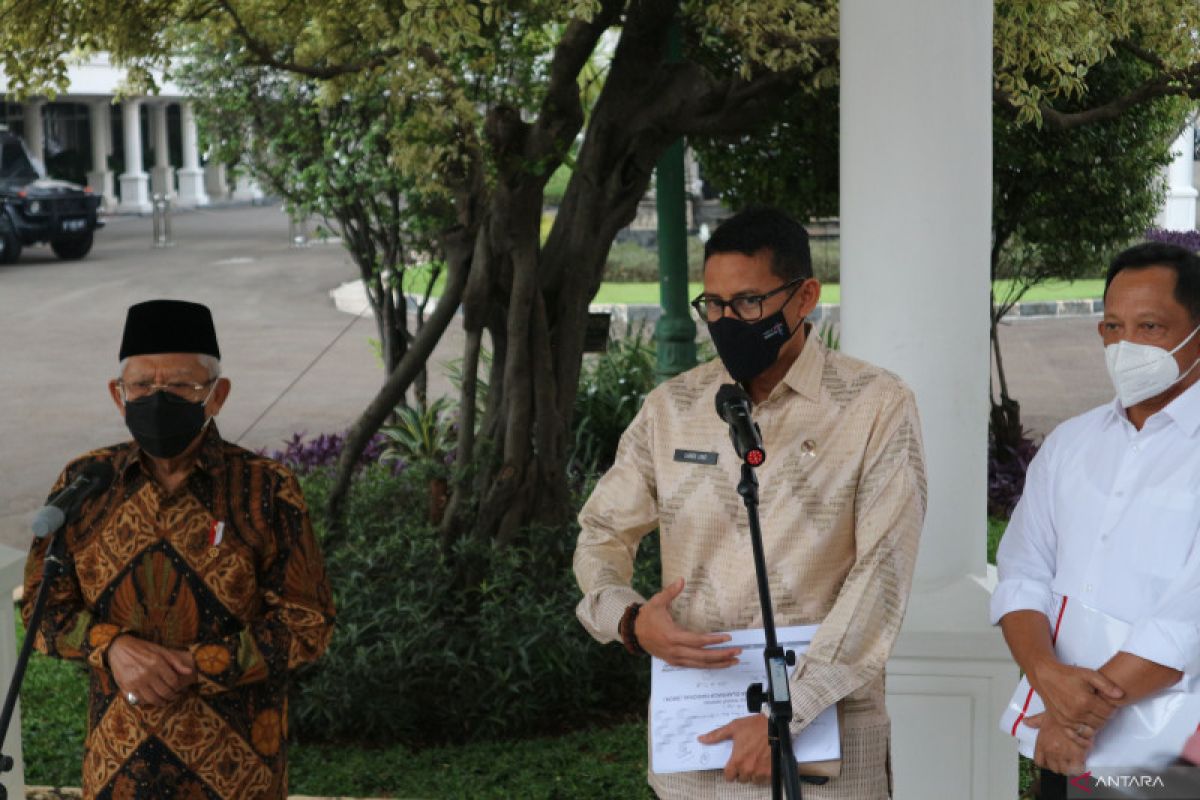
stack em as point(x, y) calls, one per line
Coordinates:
point(434, 645)
point(1065, 200)
point(605, 762)
point(995, 530)
point(612, 386)
point(420, 435)
point(789, 160)
point(630, 262)
point(54, 700)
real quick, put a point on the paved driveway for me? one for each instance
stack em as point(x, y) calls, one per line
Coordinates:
point(297, 363)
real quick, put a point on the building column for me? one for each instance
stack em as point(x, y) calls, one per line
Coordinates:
point(1179, 209)
point(191, 177)
point(246, 188)
point(35, 132)
point(162, 179)
point(101, 177)
point(135, 183)
point(915, 222)
point(214, 180)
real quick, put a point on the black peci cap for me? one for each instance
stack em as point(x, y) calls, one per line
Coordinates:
point(168, 326)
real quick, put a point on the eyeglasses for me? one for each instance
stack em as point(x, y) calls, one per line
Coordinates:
point(748, 308)
point(135, 390)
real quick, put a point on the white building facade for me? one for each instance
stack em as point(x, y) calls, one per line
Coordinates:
point(127, 150)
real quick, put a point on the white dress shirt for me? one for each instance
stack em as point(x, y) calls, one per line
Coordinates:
point(1110, 517)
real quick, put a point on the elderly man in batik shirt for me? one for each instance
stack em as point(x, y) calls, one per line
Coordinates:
point(842, 503)
point(192, 587)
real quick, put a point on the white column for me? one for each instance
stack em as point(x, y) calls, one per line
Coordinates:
point(100, 129)
point(214, 180)
point(162, 179)
point(246, 188)
point(1179, 210)
point(135, 183)
point(35, 132)
point(915, 222)
point(191, 177)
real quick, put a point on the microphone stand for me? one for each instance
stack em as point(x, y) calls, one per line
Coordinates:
point(785, 776)
point(51, 569)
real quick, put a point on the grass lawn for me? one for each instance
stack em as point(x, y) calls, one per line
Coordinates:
point(832, 292)
point(608, 762)
point(647, 292)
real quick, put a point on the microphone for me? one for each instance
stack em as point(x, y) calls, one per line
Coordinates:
point(733, 406)
point(91, 480)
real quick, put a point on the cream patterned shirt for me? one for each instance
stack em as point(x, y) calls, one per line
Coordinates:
point(842, 502)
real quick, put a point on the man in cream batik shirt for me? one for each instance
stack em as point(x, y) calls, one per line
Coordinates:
point(842, 502)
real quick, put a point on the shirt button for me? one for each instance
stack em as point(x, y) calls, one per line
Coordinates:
point(1088, 588)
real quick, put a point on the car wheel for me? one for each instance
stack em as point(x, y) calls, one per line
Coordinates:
point(72, 248)
point(10, 243)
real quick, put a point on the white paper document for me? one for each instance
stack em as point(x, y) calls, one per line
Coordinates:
point(1148, 734)
point(687, 702)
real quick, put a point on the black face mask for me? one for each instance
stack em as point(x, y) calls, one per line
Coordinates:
point(748, 348)
point(164, 424)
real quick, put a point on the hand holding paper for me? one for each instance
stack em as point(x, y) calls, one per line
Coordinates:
point(687, 703)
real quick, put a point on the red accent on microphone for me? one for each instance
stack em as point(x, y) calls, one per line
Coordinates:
point(755, 457)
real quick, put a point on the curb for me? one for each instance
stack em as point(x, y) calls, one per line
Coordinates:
point(351, 298)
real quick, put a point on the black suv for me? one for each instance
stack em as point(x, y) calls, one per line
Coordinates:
point(35, 209)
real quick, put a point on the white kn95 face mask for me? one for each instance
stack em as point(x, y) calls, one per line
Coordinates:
point(1142, 371)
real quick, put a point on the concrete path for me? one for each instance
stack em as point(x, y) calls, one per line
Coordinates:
point(296, 362)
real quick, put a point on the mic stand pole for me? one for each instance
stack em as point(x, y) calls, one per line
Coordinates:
point(51, 569)
point(784, 774)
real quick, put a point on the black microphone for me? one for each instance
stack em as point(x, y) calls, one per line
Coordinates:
point(91, 480)
point(733, 406)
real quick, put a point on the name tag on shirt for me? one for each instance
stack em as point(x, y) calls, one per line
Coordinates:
point(695, 457)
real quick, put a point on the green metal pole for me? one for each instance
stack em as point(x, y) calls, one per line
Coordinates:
point(675, 332)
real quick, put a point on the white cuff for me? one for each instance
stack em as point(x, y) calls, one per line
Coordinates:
point(1172, 643)
point(1017, 594)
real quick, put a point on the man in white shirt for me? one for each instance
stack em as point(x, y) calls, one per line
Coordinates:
point(1110, 517)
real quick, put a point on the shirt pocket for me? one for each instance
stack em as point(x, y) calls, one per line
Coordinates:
point(1166, 530)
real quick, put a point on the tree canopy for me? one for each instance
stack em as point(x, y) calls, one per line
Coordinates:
point(492, 95)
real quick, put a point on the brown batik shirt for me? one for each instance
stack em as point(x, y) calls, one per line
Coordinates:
point(225, 567)
point(842, 503)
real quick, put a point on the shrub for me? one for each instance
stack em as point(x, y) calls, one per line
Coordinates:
point(612, 386)
point(1006, 474)
point(630, 262)
point(1188, 239)
point(475, 642)
point(303, 455)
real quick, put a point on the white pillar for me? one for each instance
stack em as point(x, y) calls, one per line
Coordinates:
point(214, 180)
point(191, 177)
point(135, 183)
point(12, 565)
point(101, 177)
point(1179, 210)
point(246, 188)
point(915, 228)
point(162, 179)
point(35, 132)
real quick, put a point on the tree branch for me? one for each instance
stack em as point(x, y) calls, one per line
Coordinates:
point(266, 58)
point(1181, 84)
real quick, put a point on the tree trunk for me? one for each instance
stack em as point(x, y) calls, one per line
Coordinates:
point(1005, 415)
